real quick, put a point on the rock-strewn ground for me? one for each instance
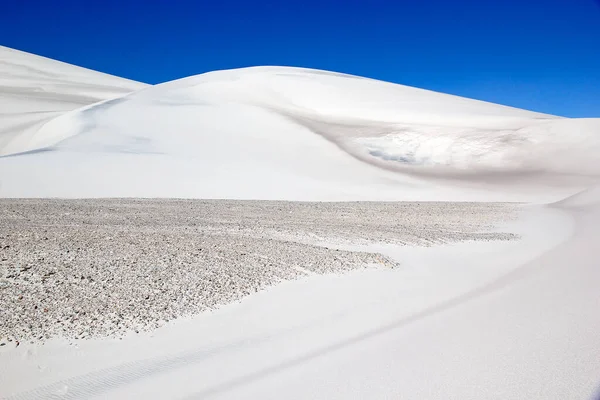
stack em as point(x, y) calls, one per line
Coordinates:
point(89, 268)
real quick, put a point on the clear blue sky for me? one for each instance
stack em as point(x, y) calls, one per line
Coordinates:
point(542, 55)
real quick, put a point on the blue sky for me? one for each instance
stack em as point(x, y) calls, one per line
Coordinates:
point(541, 55)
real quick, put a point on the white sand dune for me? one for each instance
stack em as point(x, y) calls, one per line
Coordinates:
point(296, 134)
point(497, 321)
point(34, 90)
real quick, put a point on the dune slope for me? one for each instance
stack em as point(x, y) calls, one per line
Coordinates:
point(34, 90)
point(273, 133)
point(295, 134)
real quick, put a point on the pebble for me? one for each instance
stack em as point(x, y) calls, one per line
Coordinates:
point(141, 262)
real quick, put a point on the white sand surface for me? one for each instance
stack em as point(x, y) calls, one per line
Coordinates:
point(285, 133)
point(508, 319)
point(35, 90)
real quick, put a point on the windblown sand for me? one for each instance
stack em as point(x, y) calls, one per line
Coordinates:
point(92, 268)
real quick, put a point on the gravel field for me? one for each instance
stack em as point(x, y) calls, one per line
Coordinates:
point(92, 268)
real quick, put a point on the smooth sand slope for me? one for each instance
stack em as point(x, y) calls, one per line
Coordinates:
point(418, 312)
point(34, 90)
point(295, 134)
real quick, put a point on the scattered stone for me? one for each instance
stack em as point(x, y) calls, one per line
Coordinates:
point(145, 262)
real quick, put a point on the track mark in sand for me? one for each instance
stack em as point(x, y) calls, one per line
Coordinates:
point(100, 382)
point(104, 380)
